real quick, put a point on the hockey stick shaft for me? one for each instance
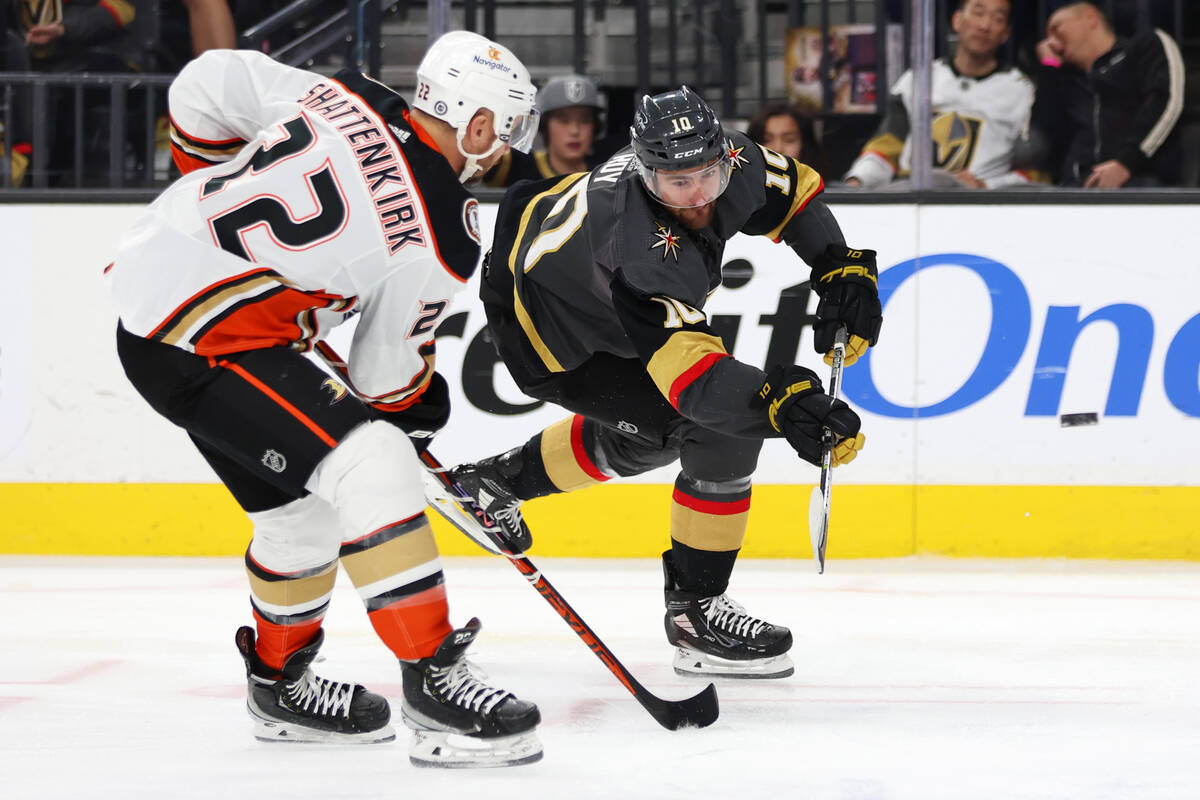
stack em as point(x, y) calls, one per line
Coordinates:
point(699, 710)
point(819, 522)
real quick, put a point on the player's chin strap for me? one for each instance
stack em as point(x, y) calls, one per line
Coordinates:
point(472, 166)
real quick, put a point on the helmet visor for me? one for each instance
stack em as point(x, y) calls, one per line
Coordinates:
point(687, 188)
point(521, 131)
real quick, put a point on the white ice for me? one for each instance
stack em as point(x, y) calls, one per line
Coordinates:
point(916, 678)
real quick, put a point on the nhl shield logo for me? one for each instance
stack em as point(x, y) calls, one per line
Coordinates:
point(274, 461)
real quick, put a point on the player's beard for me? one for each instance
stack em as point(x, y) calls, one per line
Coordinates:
point(695, 218)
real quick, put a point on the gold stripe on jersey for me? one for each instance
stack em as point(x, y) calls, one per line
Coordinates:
point(711, 532)
point(552, 239)
point(121, 10)
point(293, 592)
point(216, 298)
point(679, 354)
point(808, 183)
point(887, 145)
point(214, 152)
point(523, 317)
point(558, 456)
point(541, 159)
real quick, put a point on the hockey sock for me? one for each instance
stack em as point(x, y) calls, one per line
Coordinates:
point(565, 457)
point(702, 572)
point(399, 578)
point(288, 608)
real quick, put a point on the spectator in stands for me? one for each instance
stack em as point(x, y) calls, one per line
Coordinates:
point(15, 109)
point(572, 119)
point(90, 36)
point(981, 111)
point(190, 28)
point(788, 131)
point(1108, 106)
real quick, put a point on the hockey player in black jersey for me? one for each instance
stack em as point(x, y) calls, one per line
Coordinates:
point(595, 290)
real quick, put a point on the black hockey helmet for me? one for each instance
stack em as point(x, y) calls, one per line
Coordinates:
point(676, 132)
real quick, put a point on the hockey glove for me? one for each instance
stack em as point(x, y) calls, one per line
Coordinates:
point(422, 420)
point(798, 407)
point(846, 282)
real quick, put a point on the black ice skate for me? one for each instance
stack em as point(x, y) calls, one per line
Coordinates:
point(301, 707)
point(460, 721)
point(715, 635)
point(488, 485)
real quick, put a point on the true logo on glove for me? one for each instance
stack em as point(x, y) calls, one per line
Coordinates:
point(795, 388)
point(849, 271)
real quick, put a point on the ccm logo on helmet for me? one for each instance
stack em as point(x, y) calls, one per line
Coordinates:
point(688, 153)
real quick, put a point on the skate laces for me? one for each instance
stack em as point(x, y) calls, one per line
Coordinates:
point(321, 696)
point(459, 685)
point(502, 506)
point(723, 612)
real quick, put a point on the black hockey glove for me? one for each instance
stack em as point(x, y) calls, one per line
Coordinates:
point(846, 281)
point(422, 420)
point(798, 407)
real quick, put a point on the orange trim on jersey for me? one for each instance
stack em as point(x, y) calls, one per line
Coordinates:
point(688, 376)
point(580, 452)
point(276, 643)
point(304, 419)
point(414, 626)
point(211, 142)
point(421, 133)
point(185, 162)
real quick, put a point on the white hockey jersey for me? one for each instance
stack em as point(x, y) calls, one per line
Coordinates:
point(976, 125)
point(306, 200)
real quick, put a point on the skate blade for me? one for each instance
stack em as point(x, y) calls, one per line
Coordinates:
point(456, 751)
point(693, 662)
point(269, 730)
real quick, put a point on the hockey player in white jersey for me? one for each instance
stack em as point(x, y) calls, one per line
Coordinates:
point(308, 200)
point(980, 119)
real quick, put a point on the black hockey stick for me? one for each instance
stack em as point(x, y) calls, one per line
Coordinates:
point(698, 711)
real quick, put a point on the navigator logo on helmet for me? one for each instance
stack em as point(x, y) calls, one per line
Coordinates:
point(680, 148)
point(462, 73)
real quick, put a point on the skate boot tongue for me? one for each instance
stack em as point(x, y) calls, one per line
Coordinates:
point(299, 661)
point(455, 643)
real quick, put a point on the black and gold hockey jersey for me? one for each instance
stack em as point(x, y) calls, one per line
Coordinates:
point(589, 263)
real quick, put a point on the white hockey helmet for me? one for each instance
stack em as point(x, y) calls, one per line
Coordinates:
point(464, 72)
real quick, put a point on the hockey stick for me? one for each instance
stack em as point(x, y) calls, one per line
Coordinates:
point(445, 494)
point(818, 501)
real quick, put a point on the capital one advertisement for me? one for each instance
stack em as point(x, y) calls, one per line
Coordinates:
point(998, 323)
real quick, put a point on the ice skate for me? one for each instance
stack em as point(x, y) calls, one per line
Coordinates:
point(715, 636)
point(485, 481)
point(299, 706)
point(460, 721)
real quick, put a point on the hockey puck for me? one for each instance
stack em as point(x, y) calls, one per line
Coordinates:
point(1075, 420)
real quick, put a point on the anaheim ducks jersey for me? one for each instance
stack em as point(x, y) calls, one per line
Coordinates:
point(976, 126)
point(589, 263)
point(306, 200)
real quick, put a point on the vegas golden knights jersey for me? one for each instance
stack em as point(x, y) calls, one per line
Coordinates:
point(306, 200)
point(589, 263)
point(976, 125)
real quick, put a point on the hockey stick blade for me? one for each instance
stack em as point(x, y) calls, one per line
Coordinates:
point(460, 510)
point(816, 527)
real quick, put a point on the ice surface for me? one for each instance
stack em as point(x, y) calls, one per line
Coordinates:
point(916, 678)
